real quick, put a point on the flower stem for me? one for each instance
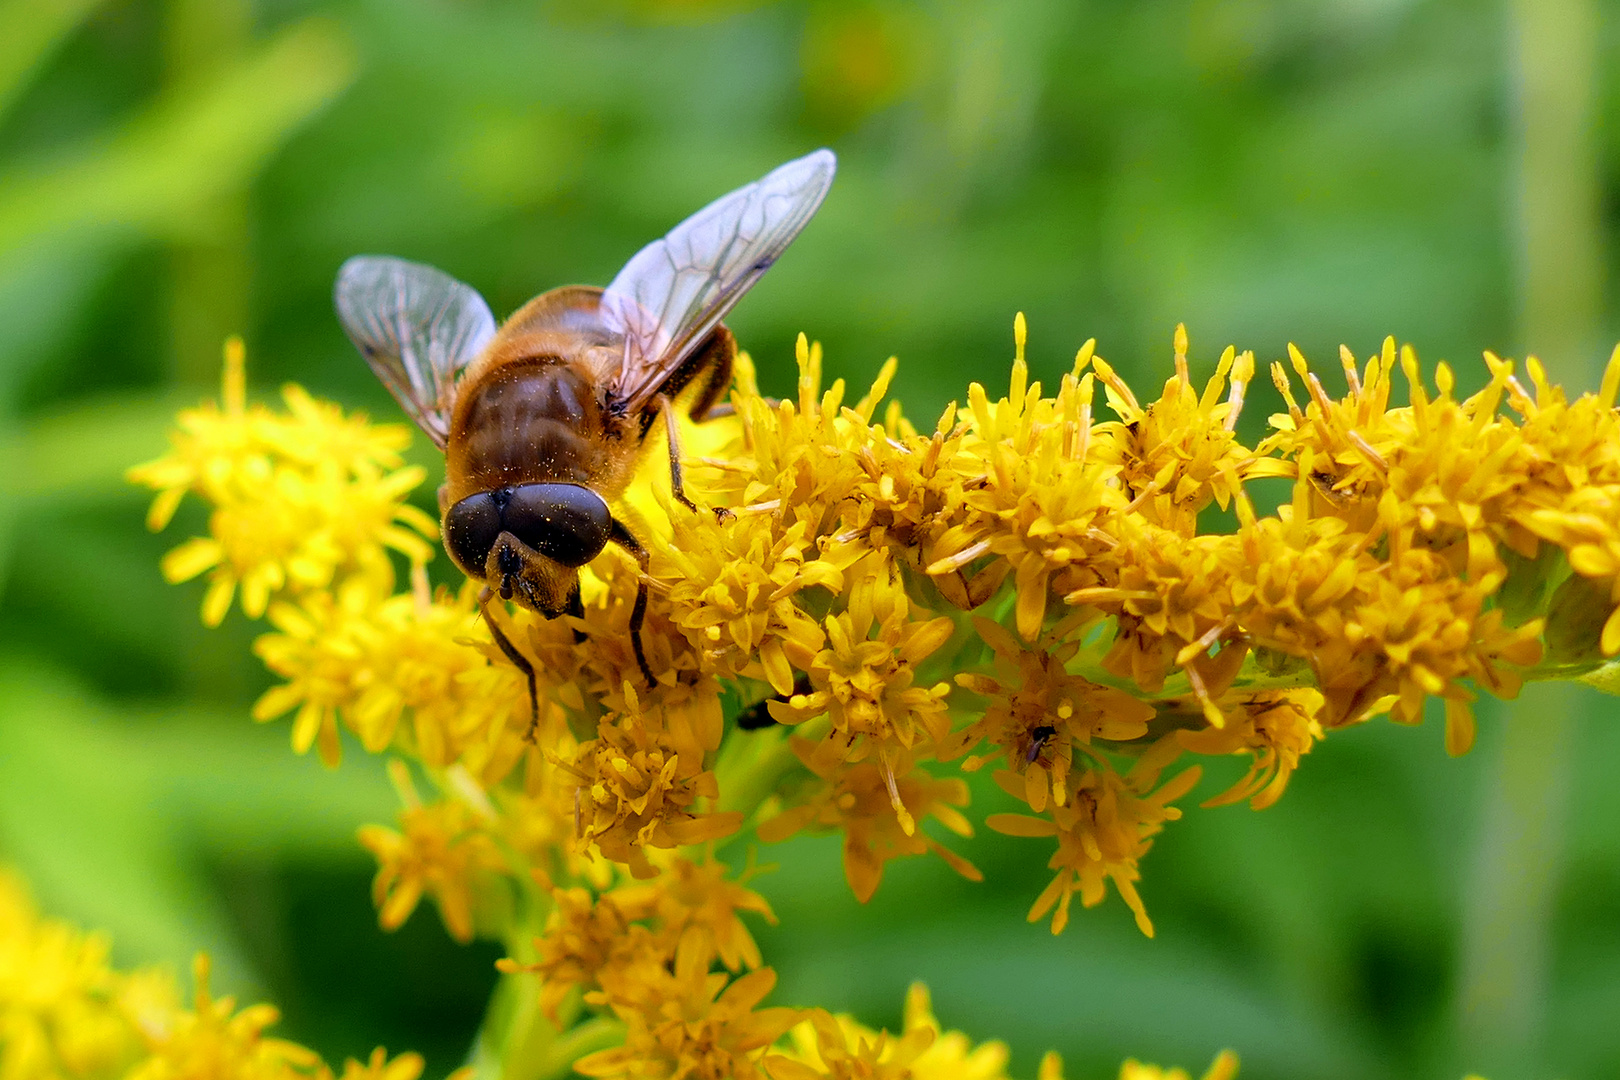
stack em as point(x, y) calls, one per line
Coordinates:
point(1509, 906)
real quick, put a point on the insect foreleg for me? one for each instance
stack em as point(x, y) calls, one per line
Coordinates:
point(576, 608)
point(621, 536)
point(519, 661)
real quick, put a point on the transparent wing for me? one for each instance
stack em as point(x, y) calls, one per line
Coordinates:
point(676, 290)
point(417, 327)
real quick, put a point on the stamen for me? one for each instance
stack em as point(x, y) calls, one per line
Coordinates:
point(1367, 450)
point(907, 823)
point(1242, 373)
point(233, 389)
point(1279, 379)
point(960, 559)
point(421, 593)
point(1347, 360)
point(1180, 346)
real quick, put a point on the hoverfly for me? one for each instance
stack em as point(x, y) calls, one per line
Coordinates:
point(542, 420)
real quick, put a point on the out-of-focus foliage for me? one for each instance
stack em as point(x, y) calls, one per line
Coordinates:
point(1265, 170)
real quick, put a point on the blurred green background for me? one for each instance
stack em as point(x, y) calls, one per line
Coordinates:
point(1320, 171)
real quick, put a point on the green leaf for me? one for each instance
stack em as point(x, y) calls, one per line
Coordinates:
point(33, 30)
point(107, 814)
point(159, 174)
point(80, 816)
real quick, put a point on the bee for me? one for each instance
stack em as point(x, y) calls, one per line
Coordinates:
point(542, 421)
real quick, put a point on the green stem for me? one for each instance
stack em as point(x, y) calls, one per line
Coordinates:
point(1509, 904)
point(750, 766)
point(515, 1042)
point(1507, 925)
point(518, 1042)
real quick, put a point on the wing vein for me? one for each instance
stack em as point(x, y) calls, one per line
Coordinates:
point(675, 290)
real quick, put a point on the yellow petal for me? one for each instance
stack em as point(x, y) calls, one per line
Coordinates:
point(276, 701)
point(190, 559)
point(1032, 576)
point(217, 600)
point(163, 508)
point(1610, 641)
point(1020, 825)
point(778, 672)
point(1460, 728)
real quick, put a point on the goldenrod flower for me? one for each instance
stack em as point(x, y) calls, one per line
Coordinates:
point(1275, 727)
point(685, 1021)
point(584, 934)
point(951, 1055)
point(734, 600)
point(63, 1011)
point(864, 680)
point(643, 784)
point(695, 901)
point(1025, 584)
point(1103, 828)
point(1224, 1067)
point(378, 1067)
point(826, 1046)
point(369, 660)
point(837, 1048)
point(320, 650)
point(65, 1014)
point(876, 805)
point(1039, 497)
point(643, 951)
point(442, 849)
point(1040, 716)
point(215, 1041)
point(1171, 598)
point(610, 944)
point(1179, 453)
point(297, 497)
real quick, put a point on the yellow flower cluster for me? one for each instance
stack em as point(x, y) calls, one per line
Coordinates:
point(639, 951)
point(824, 1045)
point(299, 498)
point(672, 961)
point(65, 1014)
point(1114, 635)
point(1024, 585)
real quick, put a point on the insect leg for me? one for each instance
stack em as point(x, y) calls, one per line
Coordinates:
point(576, 608)
point(713, 363)
point(621, 536)
point(716, 358)
point(675, 484)
point(519, 661)
point(712, 359)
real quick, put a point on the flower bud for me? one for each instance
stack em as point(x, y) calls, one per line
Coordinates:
point(1575, 618)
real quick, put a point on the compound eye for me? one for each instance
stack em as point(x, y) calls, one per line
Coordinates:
point(470, 529)
point(564, 522)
